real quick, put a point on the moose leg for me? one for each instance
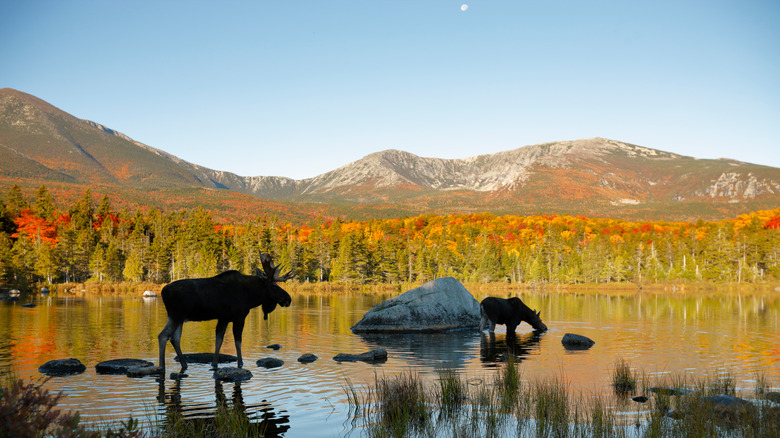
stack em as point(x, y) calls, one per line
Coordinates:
point(163, 338)
point(492, 327)
point(176, 342)
point(483, 319)
point(238, 328)
point(220, 336)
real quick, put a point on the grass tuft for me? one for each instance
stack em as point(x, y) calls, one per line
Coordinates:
point(623, 378)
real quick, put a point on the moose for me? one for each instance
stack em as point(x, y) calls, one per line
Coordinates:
point(227, 297)
point(510, 312)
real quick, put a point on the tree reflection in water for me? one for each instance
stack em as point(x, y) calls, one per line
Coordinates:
point(493, 351)
point(253, 420)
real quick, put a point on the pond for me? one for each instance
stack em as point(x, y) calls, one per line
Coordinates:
point(704, 334)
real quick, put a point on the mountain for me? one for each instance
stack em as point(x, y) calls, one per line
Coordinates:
point(40, 143)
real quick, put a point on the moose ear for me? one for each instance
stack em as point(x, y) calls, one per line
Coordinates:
point(538, 314)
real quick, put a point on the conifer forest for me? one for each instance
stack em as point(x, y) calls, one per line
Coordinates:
point(93, 242)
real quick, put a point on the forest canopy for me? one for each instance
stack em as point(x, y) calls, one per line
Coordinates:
point(92, 241)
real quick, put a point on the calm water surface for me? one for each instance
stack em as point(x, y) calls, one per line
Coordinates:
point(700, 334)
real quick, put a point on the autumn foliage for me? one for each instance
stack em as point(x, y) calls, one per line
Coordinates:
point(89, 242)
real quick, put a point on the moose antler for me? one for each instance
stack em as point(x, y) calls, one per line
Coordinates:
point(273, 271)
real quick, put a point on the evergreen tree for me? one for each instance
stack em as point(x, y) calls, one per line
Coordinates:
point(43, 206)
point(15, 202)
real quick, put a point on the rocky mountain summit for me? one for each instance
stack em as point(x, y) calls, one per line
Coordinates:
point(40, 143)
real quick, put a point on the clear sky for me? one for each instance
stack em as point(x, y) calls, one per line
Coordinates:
point(299, 88)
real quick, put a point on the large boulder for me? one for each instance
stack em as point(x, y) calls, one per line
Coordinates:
point(439, 305)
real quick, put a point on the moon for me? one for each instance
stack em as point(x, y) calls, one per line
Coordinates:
point(464, 7)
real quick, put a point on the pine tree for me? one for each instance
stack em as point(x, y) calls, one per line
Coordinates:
point(43, 206)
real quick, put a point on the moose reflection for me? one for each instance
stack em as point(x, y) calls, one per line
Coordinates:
point(493, 350)
point(201, 418)
point(228, 297)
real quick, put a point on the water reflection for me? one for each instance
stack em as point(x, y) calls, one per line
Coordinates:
point(260, 418)
point(494, 350)
point(433, 350)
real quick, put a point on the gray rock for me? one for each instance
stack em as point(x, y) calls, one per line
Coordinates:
point(120, 366)
point(571, 341)
point(270, 362)
point(206, 358)
point(379, 355)
point(307, 358)
point(232, 374)
point(440, 305)
point(44, 291)
point(149, 294)
point(62, 367)
point(144, 371)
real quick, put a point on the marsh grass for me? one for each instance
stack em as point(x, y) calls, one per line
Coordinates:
point(624, 379)
point(453, 391)
point(506, 405)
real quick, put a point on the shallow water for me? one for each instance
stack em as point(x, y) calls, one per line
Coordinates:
point(702, 335)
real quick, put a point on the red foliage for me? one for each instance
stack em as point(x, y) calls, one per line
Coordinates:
point(35, 228)
point(773, 223)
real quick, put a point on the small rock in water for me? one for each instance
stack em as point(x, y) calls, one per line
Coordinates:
point(62, 367)
point(144, 371)
point(270, 362)
point(232, 374)
point(149, 294)
point(120, 366)
point(44, 291)
point(28, 305)
point(640, 399)
point(177, 376)
point(378, 355)
point(274, 346)
point(206, 358)
point(571, 341)
point(307, 358)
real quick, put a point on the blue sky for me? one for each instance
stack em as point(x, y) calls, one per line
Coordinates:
point(298, 88)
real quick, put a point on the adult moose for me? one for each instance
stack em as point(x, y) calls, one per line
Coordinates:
point(227, 297)
point(511, 312)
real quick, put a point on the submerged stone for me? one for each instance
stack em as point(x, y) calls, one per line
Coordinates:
point(62, 367)
point(232, 374)
point(206, 358)
point(274, 346)
point(571, 341)
point(379, 355)
point(120, 366)
point(144, 371)
point(307, 358)
point(270, 362)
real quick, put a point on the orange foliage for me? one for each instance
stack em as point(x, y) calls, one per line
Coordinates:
point(35, 228)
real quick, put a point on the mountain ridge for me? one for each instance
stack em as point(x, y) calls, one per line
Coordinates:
point(39, 142)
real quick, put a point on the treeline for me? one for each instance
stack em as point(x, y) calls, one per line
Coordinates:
point(92, 241)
